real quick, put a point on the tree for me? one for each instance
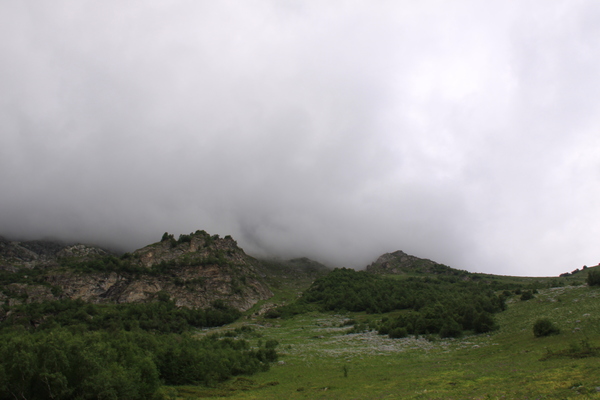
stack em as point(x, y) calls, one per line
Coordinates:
point(593, 278)
point(544, 327)
point(398, 333)
point(166, 236)
point(527, 295)
point(451, 328)
point(484, 322)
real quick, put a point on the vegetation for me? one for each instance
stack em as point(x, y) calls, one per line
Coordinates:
point(70, 349)
point(583, 349)
point(128, 264)
point(429, 343)
point(507, 363)
point(167, 237)
point(527, 295)
point(161, 316)
point(62, 364)
point(34, 276)
point(439, 305)
point(593, 278)
point(544, 327)
point(287, 280)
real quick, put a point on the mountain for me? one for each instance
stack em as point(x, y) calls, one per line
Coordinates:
point(15, 255)
point(400, 263)
point(195, 271)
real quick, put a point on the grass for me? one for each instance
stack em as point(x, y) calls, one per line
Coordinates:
point(287, 280)
point(318, 360)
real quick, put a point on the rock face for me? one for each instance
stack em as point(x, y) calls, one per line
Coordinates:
point(195, 271)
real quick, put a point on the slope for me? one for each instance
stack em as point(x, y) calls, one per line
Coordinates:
point(194, 270)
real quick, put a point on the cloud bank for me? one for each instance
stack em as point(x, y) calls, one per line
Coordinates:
point(467, 133)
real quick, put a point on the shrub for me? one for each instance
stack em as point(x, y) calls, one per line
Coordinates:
point(273, 313)
point(184, 238)
point(527, 295)
point(398, 333)
point(451, 329)
point(167, 237)
point(593, 278)
point(544, 327)
point(484, 322)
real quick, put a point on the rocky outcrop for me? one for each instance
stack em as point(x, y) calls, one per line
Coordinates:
point(194, 271)
point(80, 251)
point(15, 255)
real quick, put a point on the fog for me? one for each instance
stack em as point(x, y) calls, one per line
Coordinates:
point(464, 132)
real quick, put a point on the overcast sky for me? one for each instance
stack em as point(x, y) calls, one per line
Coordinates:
point(466, 132)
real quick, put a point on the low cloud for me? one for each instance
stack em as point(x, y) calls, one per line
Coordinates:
point(464, 134)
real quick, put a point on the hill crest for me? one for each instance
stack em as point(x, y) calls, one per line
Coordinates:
point(400, 263)
point(195, 271)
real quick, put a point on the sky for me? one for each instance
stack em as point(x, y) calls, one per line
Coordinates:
point(466, 132)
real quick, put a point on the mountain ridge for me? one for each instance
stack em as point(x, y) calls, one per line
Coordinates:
point(195, 271)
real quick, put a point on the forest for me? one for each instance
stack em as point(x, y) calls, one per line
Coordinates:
point(70, 349)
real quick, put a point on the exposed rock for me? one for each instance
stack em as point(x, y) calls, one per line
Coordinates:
point(80, 250)
point(15, 255)
point(13, 252)
point(194, 272)
point(24, 293)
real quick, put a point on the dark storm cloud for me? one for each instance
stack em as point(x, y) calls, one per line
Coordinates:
point(467, 134)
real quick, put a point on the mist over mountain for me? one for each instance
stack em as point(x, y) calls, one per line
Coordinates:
point(463, 134)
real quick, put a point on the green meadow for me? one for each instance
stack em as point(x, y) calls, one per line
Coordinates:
point(318, 359)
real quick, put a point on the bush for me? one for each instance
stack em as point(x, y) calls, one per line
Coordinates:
point(484, 323)
point(593, 278)
point(184, 238)
point(544, 327)
point(451, 329)
point(527, 295)
point(273, 313)
point(398, 333)
point(167, 237)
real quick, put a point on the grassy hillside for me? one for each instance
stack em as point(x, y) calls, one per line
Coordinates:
point(326, 347)
point(319, 360)
point(287, 280)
